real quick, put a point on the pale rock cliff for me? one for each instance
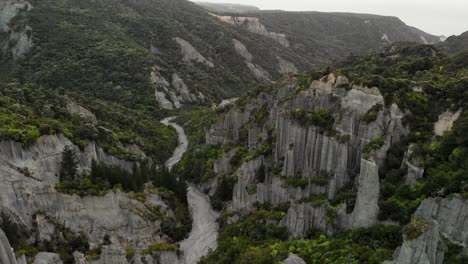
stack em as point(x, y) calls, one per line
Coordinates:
point(309, 152)
point(285, 66)
point(428, 248)
point(74, 108)
point(366, 208)
point(294, 259)
point(445, 122)
point(47, 258)
point(29, 174)
point(7, 256)
point(451, 214)
point(173, 95)
point(20, 41)
point(414, 166)
point(190, 54)
point(253, 25)
point(258, 72)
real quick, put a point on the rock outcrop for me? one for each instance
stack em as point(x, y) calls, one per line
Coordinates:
point(253, 25)
point(301, 218)
point(190, 54)
point(414, 166)
point(7, 256)
point(47, 258)
point(325, 160)
point(451, 214)
point(74, 108)
point(294, 259)
point(366, 208)
point(258, 72)
point(428, 248)
point(19, 42)
point(172, 95)
point(445, 122)
point(285, 66)
point(28, 175)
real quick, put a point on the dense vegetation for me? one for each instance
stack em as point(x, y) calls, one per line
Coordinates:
point(257, 238)
point(425, 82)
point(78, 57)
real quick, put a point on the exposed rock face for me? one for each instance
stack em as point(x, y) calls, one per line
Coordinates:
point(190, 54)
point(47, 258)
point(445, 122)
point(303, 217)
point(20, 41)
point(428, 248)
point(7, 256)
point(112, 255)
point(259, 73)
point(172, 97)
point(9, 9)
point(285, 66)
point(40, 160)
point(162, 100)
point(28, 175)
point(366, 209)
point(415, 169)
point(451, 214)
point(161, 88)
point(241, 49)
point(328, 161)
point(253, 25)
point(182, 89)
point(294, 259)
point(449, 218)
point(231, 8)
point(74, 108)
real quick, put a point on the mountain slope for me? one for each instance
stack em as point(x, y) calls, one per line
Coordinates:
point(199, 57)
point(343, 165)
point(226, 8)
point(324, 37)
point(455, 44)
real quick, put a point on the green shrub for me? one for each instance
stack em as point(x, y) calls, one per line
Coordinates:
point(417, 227)
point(321, 118)
point(372, 145)
point(129, 252)
point(372, 113)
point(296, 181)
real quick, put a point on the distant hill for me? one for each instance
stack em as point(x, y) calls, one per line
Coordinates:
point(227, 8)
point(455, 44)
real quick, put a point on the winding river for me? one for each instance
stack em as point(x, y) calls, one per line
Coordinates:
point(204, 234)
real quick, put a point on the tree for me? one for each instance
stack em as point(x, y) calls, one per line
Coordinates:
point(68, 166)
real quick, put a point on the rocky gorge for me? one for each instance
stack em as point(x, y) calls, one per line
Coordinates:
point(119, 143)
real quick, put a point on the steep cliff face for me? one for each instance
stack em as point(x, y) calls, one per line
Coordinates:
point(29, 174)
point(7, 255)
point(18, 39)
point(426, 248)
point(323, 159)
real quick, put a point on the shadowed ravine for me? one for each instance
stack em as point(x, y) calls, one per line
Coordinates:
point(204, 234)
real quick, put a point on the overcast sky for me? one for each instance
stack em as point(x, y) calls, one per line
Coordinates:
point(437, 17)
